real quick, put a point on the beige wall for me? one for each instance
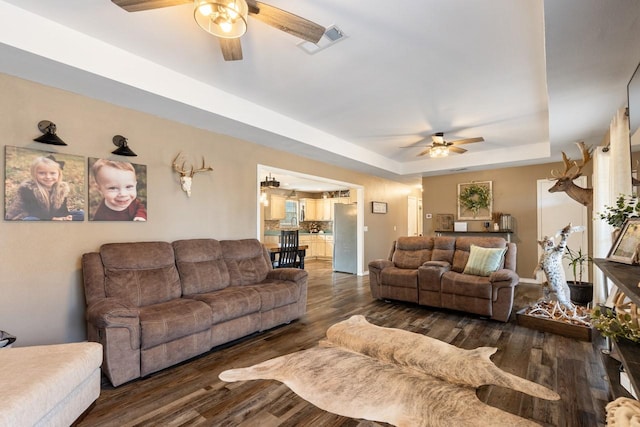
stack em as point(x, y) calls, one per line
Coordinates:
point(41, 296)
point(514, 192)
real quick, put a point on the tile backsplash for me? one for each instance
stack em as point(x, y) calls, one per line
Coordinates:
point(325, 226)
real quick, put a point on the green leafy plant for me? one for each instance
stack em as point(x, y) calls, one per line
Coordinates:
point(615, 325)
point(626, 206)
point(475, 197)
point(577, 261)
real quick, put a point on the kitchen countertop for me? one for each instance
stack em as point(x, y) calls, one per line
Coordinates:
point(300, 232)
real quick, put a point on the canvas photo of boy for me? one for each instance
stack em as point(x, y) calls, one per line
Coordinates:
point(117, 191)
point(43, 186)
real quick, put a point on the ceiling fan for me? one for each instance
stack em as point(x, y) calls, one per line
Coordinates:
point(439, 147)
point(227, 20)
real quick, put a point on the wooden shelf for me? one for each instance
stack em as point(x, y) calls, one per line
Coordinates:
point(612, 367)
point(626, 278)
point(502, 233)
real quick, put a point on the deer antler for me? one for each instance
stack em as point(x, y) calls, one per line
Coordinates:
point(180, 169)
point(570, 164)
point(567, 167)
point(586, 158)
point(202, 169)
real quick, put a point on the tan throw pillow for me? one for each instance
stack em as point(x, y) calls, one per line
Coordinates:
point(484, 261)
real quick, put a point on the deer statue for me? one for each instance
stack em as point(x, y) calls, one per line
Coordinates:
point(565, 179)
point(186, 176)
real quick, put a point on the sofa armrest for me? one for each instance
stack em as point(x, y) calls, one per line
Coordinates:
point(430, 275)
point(116, 313)
point(291, 274)
point(375, 275)
point(380, 264)
point(504, 278)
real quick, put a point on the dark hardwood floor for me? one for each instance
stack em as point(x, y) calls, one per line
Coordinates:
point(191, 394)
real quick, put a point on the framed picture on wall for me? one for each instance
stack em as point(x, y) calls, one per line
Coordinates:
point(475, 200)
point(627, 246)
point(117, 191)
point(43, 186)
point(444, 222)
point(379, 207)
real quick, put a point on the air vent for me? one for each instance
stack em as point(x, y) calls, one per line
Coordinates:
point(331, 36)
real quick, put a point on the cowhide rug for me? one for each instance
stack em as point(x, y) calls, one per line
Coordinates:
point(394, 376)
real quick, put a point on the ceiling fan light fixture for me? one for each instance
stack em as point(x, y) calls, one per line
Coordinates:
point(439, 151)
point(222, 18)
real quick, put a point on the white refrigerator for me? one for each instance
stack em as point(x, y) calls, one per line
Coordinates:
point(345, 244)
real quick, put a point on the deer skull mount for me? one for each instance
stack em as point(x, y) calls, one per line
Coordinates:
point(564, 180)
point(186, 176)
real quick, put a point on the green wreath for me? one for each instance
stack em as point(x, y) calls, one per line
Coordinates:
point(475, 197)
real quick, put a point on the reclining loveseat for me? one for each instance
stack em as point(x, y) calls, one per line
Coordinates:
point(472, 274)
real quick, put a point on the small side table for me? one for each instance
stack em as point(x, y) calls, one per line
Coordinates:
point(6, 339)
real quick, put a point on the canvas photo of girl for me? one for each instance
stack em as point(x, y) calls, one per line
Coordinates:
point(43, 186)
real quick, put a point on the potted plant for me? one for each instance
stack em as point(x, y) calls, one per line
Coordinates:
point(626, 206)
point(581, 292)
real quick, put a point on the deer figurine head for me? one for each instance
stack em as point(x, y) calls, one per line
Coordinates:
point(186, 176)
point(565, 179)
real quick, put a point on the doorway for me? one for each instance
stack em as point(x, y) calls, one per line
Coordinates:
point(555, 211)
point(414, 216)
point(321, 185)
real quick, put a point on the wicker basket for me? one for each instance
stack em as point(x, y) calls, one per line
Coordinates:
point(624, 305)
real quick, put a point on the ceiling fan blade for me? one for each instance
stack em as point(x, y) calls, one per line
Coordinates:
point(457, 150)
point(422, 153)
point(139, 5)
point(467, 140)
point(231, 49)
point(285, 21)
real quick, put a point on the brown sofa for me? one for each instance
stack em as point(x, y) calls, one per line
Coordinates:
point(430, 271)
point(154, 304)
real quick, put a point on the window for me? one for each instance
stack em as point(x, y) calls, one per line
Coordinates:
point(290, 214)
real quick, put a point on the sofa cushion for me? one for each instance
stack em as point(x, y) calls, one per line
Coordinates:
point(400, 277)
point(466, 285)
point(247, 260)
point(443, 248)
point(484, 261)
point(277, 294)
point(201, 265)
point(230, 303)
point(463, 248)
point(412, 251)
point(142, 273)
point(167, 321)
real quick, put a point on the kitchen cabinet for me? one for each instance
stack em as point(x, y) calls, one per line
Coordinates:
point(275, 210)
point(328, 246)
point(324, 209)
point(317, 209)
point(271, 240)
point(320, 245)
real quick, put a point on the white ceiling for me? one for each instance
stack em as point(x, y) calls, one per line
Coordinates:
point(532, 77)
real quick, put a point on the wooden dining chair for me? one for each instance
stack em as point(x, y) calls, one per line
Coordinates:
point(288, 257)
